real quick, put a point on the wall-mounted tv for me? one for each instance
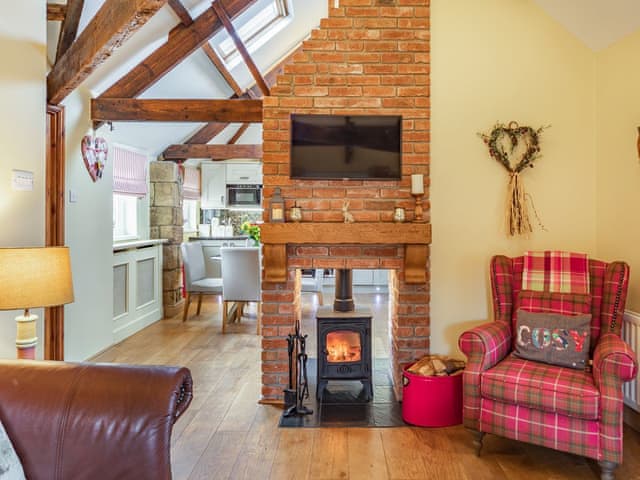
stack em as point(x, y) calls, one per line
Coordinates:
point(326, 147)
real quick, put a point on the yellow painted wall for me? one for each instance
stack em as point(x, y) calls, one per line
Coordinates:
point(618, 165)
point(503, 60)
point(22, 137)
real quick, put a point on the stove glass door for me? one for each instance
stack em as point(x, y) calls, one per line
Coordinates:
point(343, 346)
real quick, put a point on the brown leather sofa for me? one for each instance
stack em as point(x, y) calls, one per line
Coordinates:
point(92, 421)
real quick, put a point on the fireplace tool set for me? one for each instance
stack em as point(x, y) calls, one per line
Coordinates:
point(293, 398)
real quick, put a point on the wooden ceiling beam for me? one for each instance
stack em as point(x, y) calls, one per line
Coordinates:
point(272, 74)
point(69, 28)
point(185, 18)
point(162, 110)
point(219, 64)
point(116, 21)
point(181, 11)
point(56, 12)
point(213, 152)
point(224, 17)
point(238, 134)
point(182, 42)
point(207, 133)
point(211, 130)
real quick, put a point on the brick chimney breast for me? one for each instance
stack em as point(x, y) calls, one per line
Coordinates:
point(367, 57)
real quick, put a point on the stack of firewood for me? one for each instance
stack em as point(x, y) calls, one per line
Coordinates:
point(437, 365)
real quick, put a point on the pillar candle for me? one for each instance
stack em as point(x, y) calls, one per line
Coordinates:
point(417, 183)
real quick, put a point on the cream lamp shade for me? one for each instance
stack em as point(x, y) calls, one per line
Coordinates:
point(30, 278)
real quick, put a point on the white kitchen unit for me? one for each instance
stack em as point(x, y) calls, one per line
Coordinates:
point(137, 286)
point(370, 277)
point(364, 277)
point(214, 185)
point(249, 173)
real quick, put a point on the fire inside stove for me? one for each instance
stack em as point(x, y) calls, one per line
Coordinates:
point(343, 346)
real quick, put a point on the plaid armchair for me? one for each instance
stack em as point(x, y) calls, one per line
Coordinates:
point(565, 409)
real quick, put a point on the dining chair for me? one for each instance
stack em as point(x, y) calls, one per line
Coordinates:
point(241, 274)
point(314, 284)
point(195, 279)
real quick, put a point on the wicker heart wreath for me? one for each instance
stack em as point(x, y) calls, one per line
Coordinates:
point(515, 148)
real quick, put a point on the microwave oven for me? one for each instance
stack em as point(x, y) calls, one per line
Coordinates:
point(244, 195)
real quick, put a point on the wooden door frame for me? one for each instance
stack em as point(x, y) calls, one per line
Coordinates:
point(54, 221)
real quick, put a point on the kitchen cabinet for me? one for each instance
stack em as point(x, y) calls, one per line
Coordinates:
point(244, 173)
point(214, 184)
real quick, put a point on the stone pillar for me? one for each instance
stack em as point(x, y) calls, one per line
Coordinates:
point(166, 222)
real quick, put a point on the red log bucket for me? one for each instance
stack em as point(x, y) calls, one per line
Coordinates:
point(431, 401)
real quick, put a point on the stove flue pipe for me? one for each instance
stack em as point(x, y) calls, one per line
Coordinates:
point(344, 295)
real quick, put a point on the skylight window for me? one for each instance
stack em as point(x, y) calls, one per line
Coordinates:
point(255, 27)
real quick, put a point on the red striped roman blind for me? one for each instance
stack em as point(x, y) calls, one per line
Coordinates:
point(191, 184)
point(129, 172)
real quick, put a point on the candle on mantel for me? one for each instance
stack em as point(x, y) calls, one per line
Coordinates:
point(417, 184)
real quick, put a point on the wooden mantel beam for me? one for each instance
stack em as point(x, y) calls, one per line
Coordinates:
point(183, 41)
point(213, 152)
point(116, 21)
point(56, 12)
point(161, 110)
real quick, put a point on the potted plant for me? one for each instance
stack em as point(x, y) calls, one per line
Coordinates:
point(253, 231)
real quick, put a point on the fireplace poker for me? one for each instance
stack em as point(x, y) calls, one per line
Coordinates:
point(290, 346)
point(296, 407)
point(302, 387)
point(290, 396)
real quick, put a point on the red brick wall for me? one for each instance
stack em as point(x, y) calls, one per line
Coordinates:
point(368, 57)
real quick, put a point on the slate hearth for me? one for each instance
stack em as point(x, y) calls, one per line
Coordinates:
point(343, 403)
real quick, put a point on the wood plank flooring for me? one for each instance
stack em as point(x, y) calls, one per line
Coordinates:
point(226, 434)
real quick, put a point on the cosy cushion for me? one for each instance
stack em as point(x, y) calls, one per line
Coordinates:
point(556, 271)
point(553, 338)
point(542, 387)
point(10, 466)
point(550, 302)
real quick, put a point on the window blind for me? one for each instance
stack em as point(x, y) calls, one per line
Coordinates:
point(129, 172)
point(191, 183)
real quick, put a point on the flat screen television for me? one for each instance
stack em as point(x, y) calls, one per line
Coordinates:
point(329, 147)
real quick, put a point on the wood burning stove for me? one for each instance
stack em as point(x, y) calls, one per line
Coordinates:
point(344, 340)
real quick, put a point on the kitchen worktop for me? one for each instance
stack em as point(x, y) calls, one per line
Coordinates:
point(126, 245)
point(237, 237)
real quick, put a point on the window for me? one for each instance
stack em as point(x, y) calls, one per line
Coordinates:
point(125, 217)
point(255, 27)
point(190, 215)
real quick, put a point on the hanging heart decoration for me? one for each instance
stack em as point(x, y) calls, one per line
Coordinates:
point(94, 154)
point(515, 148)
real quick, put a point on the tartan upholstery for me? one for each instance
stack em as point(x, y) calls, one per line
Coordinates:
point(542, 386)
point(608, 288)
point(556, 271)
point(484, 346)
point(552, 430)
point(613, 363)
point(534, 402)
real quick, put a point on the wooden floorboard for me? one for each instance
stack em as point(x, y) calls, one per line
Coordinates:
point(226, 434)
point(366, 454)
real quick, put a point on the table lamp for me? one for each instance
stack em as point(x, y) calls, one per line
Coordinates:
point(31, 278)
